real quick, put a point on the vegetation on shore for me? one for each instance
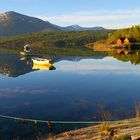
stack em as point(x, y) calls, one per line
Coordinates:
point(71, 42)
point(116, 131)
point(133, 32)
point(128, 129)
point(122, 38)
point(55, 42)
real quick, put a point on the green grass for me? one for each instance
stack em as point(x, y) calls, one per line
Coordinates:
point(124, 137)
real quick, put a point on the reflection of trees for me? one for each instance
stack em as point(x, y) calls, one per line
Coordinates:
point(11, 66)
point(133, 57)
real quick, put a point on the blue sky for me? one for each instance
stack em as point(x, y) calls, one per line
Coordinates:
point(107, 13)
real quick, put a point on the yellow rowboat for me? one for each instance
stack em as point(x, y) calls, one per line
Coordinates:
point(41, 67)
point(42, 64)
point(41, 61)
point(22, 53)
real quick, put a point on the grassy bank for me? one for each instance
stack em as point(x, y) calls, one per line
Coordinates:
point(124, 130)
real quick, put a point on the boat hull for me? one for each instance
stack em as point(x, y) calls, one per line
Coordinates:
point(46, 62)
point(41, 67)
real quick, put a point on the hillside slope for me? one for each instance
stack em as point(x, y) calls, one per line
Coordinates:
point(12, 23)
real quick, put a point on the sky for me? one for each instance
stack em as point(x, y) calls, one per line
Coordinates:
point(110, 14)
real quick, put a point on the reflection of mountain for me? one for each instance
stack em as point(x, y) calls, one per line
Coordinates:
point(12, 66)
point(75, 58)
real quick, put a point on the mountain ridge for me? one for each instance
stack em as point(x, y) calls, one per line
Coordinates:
point(13, 23)
point(80, 28)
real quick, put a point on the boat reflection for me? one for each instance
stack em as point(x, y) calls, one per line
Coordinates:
point(12, 65)
point(42, 64)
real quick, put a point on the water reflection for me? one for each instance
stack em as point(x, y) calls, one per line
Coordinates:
point(132, 56)
point(12, 65)
point(81, 88)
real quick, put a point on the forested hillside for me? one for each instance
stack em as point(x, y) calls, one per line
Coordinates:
point(133, 32)
point(54, 39)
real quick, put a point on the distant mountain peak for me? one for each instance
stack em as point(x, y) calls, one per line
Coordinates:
point(13, 23)
point(79, 28)
point(10, 12)
point(15, 14)
point(75, 26)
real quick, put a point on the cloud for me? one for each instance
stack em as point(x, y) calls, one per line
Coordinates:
point(101, 66)
point(121, 18)
point(12, 92)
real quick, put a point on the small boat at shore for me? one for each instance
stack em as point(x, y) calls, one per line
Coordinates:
point(27, 51)
point(41, 61)
point(42, 64)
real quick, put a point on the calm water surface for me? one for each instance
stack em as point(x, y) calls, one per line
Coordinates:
point(78, 89)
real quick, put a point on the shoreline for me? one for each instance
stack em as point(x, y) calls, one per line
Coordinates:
point(123, 130)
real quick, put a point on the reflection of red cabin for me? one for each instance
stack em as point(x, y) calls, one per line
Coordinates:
point(125, 41)
point(120, 41)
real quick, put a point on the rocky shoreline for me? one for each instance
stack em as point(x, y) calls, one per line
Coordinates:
point(124, 130)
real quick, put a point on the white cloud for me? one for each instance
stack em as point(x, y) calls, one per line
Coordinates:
point(107, 18)
point(99, 67)
point(12, 92)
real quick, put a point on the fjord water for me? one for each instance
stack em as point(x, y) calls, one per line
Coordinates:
point(79, 89)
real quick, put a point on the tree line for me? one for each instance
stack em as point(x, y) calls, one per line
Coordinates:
point(47, 40)
point(133, 32)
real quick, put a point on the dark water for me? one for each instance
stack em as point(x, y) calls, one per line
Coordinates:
point(79, 89)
